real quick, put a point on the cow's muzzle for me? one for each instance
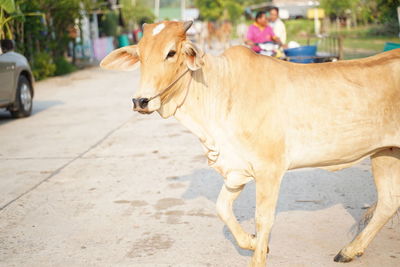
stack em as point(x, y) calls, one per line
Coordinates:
point(141, 105)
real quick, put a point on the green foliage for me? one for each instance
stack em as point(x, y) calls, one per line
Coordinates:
point(43, 66)
point(382, 12)
point(63, 66)
point(216, 9)
point(233, 9)
point(388, 15)
point(209, 9)
point(8, 6)
point(388, 10)
point(136, 14)
point(45, 25)
point(110, 24)
point(337, 7)
point(297, 27)
point(245, 3)
point(50, 32)
point(386, 29)
point(365, 10)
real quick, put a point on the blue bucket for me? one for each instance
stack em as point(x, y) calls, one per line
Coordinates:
point(390, 46)
point(297, 54)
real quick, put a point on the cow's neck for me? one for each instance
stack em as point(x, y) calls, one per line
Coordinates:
point(200, 108)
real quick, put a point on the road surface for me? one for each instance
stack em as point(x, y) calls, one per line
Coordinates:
point(87, 182)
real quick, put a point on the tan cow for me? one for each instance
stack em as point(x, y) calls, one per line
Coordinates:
point(219, 32)
point(258, 117)
point(224, 33)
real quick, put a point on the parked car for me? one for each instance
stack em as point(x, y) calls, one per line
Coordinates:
point(16, 81)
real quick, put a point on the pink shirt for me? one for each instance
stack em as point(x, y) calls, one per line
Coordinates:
point(257, 35)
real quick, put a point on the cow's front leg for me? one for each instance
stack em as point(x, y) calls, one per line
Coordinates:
point(225, 211)
point(267, 191)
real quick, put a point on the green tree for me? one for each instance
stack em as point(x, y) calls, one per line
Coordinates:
point(9, 13)
point(209, 9)
point(7, 7)
point(338, 8)
point(388, 11)
point(53, 31)
point(233, 9)
point(44, 39)
point(134, 13)
point(109, 23)
point(366, 11)
point(215, 9)
point(383, 12)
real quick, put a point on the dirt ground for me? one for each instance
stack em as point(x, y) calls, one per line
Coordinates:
point(87, 182)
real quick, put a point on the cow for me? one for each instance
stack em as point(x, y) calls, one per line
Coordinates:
point(215, 31)
point(224, 33)
point(258, 117)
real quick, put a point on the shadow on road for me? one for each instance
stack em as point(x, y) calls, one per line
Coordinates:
point(306, 190)
point(38, 106)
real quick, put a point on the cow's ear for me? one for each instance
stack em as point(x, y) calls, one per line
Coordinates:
point(124, 58)
point(194, 56)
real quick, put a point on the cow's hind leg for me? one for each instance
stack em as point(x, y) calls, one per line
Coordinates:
point(225, 211)
point(386, 171)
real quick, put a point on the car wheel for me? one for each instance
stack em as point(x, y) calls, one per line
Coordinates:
point(23, 100)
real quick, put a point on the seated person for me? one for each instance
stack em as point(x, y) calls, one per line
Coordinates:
point(260, 32)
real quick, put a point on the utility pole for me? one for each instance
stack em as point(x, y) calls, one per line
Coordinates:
point(398, 16)
point(183, 7)
point(157, 9)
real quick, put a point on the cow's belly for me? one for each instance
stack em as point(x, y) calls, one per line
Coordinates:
point(345, 145)
point(338, 129)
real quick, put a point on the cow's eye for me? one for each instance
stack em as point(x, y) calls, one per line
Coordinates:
point(171, 54)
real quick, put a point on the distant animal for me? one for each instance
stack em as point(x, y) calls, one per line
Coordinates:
point(216, 35)
point(210, 35)
point(258, 117)
point(223, 34)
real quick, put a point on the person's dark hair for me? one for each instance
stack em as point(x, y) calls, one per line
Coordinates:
point(259, 15)
point(274, 8)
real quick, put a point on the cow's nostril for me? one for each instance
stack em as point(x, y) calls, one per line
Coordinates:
point(143, 102)
point(134, 101)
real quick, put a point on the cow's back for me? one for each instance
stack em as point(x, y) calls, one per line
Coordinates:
point(334, 111)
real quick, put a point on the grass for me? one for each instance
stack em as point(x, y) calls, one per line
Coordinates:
point(298, 28)
point(368, 43)
point(365, 46)
point(363, 41)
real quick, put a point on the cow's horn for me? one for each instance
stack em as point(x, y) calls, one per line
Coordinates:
point(187, 24)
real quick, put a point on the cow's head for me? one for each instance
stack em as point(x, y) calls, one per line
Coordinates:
point(164, 54)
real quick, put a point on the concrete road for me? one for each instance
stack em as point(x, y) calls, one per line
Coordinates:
point(86, 182)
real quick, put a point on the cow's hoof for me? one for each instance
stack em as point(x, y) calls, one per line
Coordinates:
point(340, 257)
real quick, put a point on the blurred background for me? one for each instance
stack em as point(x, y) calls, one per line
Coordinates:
point(59, 37)
point(84, 181)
